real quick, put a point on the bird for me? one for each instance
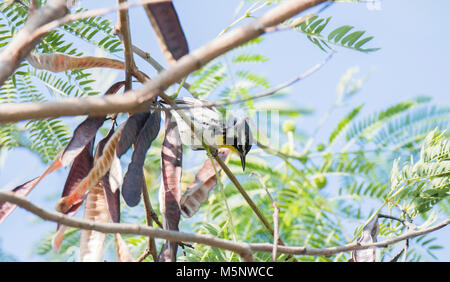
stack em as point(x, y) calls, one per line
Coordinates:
point(217, 132)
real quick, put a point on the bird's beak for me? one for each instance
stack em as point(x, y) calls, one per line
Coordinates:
point(242, 161)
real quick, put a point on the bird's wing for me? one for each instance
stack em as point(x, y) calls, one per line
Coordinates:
point(206, 119)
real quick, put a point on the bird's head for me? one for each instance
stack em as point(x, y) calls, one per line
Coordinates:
point(242, 151)
point(243, 142)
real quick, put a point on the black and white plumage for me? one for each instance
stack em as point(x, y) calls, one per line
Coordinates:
point(213, 129)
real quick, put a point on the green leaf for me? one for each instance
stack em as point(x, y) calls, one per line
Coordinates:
point(350, 39)
point(344, 123)
point(338, 33)
point(362, 42)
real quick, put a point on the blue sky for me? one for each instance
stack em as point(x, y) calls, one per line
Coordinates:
point(414, 60)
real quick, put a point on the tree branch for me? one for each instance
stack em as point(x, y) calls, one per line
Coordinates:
point(243, 249)
point(151, 246)
point(124, 29)
point(135, 101)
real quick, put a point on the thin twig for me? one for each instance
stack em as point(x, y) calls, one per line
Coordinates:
point(408, 224)
point(259, 95)
point(248, 13)
point(151, 246)
point(276, 211)
point(219, 182)
point(147, 57)
point(148, 250)
point(405, 250)
point(396, 257)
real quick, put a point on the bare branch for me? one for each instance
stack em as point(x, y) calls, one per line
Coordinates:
point(276, 211)
point(151, 246)
point(263, 94)
point(146, 56)
point(243, 249)
point(124, 28)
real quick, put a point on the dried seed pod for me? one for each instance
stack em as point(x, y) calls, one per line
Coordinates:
point(169, 32)
point(100, 168)
point(79, 169)
point(205, 180)
point(123, 254)
point(91, 241)
point(133, 180)
point(171, 165)
point(58, 62)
